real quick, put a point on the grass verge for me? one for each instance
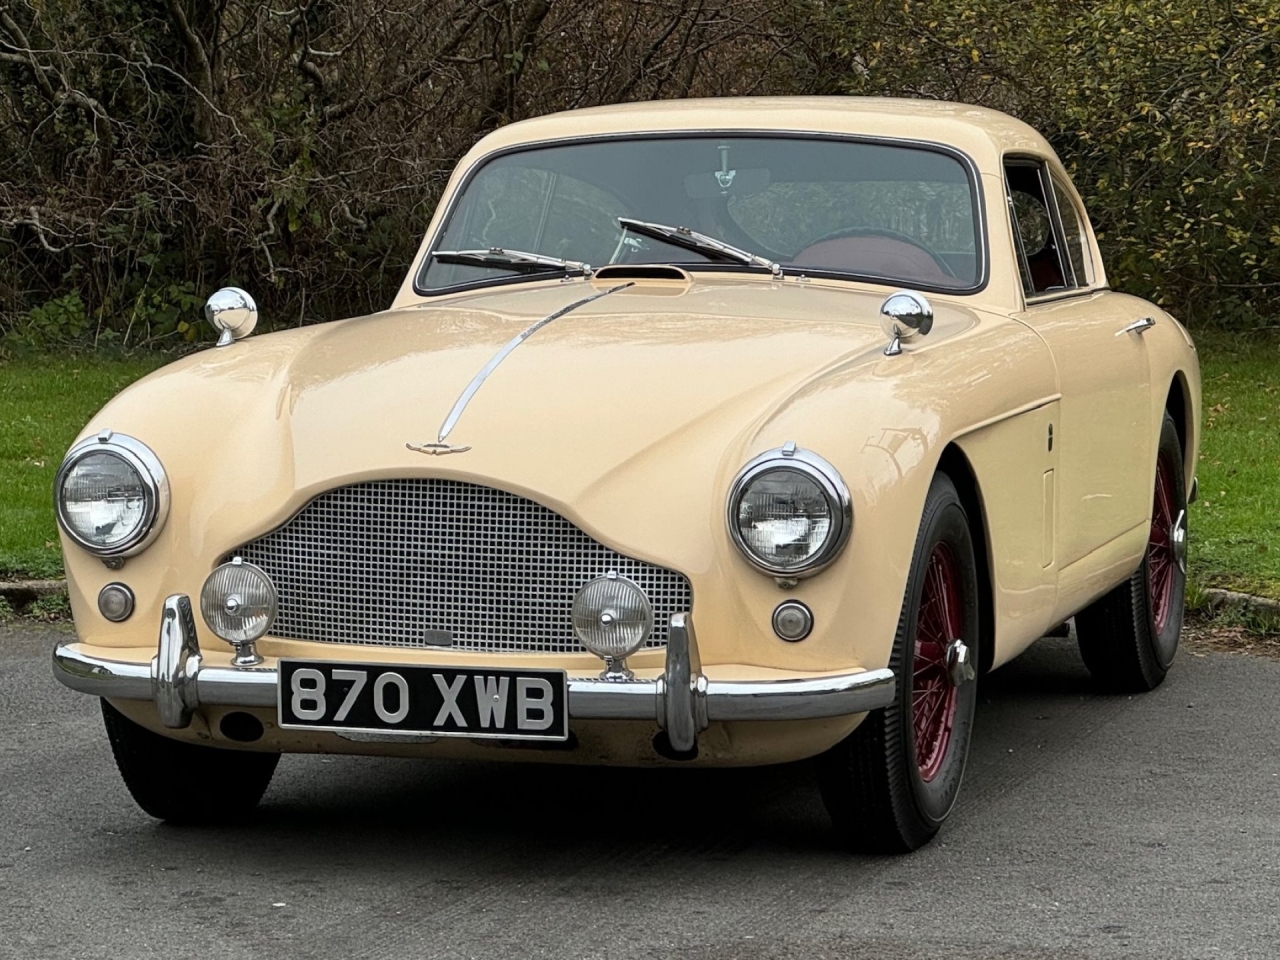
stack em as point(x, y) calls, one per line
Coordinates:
point(43, 405)
point(1235, 526)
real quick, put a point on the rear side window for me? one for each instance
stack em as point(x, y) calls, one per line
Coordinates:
point(1073, 234)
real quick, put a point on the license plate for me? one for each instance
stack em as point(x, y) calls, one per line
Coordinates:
point(438, 701)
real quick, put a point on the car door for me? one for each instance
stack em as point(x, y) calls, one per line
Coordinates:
point(1104, 437)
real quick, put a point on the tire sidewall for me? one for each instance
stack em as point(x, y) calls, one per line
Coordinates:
point(944, 522)
point(1164, 645)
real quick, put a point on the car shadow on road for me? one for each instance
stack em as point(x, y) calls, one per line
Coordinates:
point(406, 810)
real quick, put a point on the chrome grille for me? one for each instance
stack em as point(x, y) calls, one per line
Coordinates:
point(399, 562)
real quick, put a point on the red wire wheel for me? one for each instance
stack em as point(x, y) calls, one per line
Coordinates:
point(1161, 560)
point(933, 695)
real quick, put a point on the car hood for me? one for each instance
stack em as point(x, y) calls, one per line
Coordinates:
point(625, 392)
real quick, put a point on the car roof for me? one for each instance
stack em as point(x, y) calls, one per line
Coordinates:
point(984, 134)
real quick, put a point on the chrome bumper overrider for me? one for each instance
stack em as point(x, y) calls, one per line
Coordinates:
point(682, 701)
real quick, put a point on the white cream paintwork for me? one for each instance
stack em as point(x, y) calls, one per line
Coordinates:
point(631, 414)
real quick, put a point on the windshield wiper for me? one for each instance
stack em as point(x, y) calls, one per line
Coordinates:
point(517, 260)
point(693, 240)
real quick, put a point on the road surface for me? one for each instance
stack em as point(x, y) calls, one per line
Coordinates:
point(1088, 827)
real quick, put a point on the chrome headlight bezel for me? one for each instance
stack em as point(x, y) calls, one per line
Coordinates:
point(828, 480)
point(155, 486)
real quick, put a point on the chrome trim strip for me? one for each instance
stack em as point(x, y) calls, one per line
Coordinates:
point(597, 699)
point(238, 686)
point(185, 683)
point(1009, 414)
point(807, 698)
point(100, 676)
point(124, 680)
point(478, 380)
point(804, 699)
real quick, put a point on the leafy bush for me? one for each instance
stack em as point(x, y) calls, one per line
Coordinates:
point(59, 319)
point(1165, 111)
point(153, 152)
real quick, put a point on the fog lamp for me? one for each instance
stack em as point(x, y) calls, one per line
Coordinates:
point(612, 617)
point(239, 603)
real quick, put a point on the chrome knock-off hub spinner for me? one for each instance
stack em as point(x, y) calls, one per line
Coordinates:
point(959, 663)
point(1178, 540)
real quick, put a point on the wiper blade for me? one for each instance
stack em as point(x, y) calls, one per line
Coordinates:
point(693, 240)
point(518, 260)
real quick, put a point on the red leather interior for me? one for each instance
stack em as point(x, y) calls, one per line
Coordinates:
point(882, 256)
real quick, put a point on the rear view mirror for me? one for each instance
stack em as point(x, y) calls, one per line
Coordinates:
point(729, 183)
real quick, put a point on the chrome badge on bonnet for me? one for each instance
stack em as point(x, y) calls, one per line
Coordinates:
point(436, 449)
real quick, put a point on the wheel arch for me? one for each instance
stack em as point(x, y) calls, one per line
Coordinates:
point(956, 466)
point(1178, 404)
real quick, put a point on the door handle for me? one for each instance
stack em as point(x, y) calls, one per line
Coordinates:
point(1138, 326)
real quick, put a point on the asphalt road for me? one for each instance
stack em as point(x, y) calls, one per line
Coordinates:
point(1089, 826)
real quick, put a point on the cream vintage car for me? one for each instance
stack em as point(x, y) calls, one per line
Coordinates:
point(706, 432)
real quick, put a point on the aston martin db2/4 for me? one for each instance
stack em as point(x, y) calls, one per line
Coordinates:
point(707, 432)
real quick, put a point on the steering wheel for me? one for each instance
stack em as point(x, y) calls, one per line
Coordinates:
point(884, 232)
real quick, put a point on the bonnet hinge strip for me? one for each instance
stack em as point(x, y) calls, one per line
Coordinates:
point(501, 355)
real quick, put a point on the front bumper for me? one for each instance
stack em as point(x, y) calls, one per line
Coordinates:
point(683, 701)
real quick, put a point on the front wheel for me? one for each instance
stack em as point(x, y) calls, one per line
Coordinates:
point(1128, 637)
point(892, 782)
point(184, 783)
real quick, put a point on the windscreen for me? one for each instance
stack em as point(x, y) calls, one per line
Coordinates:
point(904, 215)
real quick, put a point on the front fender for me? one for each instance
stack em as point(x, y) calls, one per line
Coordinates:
point(885, 422)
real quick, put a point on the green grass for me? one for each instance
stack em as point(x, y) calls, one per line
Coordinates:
point(43, 404)
point(1235, 525)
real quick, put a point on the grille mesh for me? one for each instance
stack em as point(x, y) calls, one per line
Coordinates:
point(392, 561)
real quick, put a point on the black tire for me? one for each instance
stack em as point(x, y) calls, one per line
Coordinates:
point(183, 783)
point(879, 798)
point(1125, 647)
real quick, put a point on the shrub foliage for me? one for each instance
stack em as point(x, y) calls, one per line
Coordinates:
point(151, 150)
point(1165, 111)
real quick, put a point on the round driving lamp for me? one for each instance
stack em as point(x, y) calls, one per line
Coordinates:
point(239, 603)
point(789, 512)
point(612, 617)
point(111, 495)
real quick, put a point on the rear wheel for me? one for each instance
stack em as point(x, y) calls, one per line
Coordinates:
point(184, 783)
point(1128, 637)
point(893, 781)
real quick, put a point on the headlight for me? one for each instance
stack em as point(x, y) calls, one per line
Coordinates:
point(790, 513)
point(111, 495)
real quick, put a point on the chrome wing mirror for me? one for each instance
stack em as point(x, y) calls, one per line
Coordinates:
point(904, 316)
point(232, 313)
